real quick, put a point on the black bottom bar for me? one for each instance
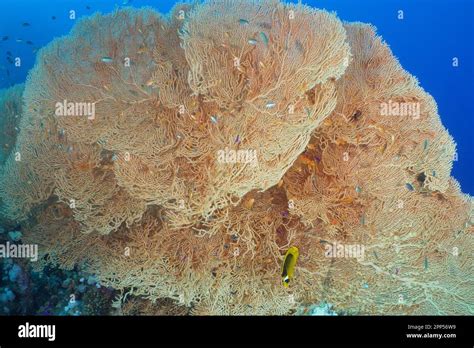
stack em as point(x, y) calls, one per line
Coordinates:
point(313, 331)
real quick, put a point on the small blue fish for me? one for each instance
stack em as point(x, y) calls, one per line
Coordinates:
point(114, 157)
point(19, 40)
point(270, 105)
point(425, 144)
point(362, 220)
point(5, 38)
point(243, 21)
point(252, 42)
point(365, 286)
point(264, 38)
point(69, 149)
point(409, 187)
point(26, 24)
point(358, 189)
point(426, 262)
point(107, 60)
point(182, 31)
point(214, 119)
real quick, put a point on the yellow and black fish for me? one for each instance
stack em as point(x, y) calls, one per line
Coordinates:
point(289, 264)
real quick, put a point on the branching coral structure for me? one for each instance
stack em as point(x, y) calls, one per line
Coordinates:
point(180, 157)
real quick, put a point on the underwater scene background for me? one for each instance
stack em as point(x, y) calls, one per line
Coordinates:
point(334, 205)
point(425, 42)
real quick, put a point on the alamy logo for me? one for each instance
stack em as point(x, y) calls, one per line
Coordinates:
point(9, 250)
point(340, 250)
point(400, 109)
point(33, 331)
point(237, 156)
point(66, 108)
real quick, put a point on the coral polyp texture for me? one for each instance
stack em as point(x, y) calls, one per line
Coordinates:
point(181, 156)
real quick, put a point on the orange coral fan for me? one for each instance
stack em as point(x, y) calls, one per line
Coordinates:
point(383, 182)
point(153, 111)
point(210, 142)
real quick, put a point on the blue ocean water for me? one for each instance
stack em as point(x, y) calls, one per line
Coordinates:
point(430, 35)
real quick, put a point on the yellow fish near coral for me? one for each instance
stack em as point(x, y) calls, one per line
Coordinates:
point(289, 264)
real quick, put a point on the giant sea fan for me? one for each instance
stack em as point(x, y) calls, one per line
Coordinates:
point(139, 197)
